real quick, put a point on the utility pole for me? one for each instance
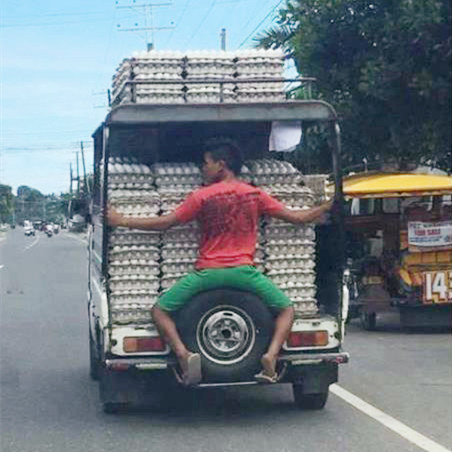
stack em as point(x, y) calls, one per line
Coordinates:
point(70, 176)
point(84, 169)
point(223, 38)
point(147, 11)
point(78, 177)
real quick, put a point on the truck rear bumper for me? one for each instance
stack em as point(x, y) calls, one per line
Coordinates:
point(315, 358)
point(164, 363)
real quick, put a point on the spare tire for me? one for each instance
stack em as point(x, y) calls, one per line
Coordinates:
point(231, 329)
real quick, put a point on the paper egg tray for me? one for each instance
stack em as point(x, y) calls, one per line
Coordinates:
point(134, 237)
point(132, 310)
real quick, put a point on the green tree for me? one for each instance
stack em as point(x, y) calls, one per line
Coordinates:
point(384, 65)
point(6, 203)
point(30, 204)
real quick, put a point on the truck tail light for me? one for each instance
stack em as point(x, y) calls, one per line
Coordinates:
point(307, 339)
point(143, 344)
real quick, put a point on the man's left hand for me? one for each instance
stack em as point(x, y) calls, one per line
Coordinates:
point(114, 218)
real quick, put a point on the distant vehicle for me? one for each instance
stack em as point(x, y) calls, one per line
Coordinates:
point(37, 225)
point(28, 229)
point(49, 230)
point(400, 234)
point(56, 228)
point(77, 223)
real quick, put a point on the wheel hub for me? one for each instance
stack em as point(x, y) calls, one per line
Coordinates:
point(226, 334)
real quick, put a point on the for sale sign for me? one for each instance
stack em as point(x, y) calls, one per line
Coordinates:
point(434, 236)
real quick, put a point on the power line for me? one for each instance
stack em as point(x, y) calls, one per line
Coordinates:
point(253, 15)
point(85, 13)
point(260, 23)
point(147, 11)
point(49, 24)
point(46, 131)
point(202, 21)
point(182, 14)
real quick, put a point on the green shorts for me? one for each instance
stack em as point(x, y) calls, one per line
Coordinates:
point(245, 277)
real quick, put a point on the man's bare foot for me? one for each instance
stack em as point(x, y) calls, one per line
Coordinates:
point(268, 373)
point(269, 364)
point(190, 364)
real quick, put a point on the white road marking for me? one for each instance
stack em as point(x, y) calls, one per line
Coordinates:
point(388, 421)
point(1, 266)
point(33, 244)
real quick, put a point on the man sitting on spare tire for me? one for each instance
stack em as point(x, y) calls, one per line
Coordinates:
point(227, 210)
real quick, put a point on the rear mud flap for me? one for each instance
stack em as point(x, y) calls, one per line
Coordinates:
point(315, 379)
point(134, 388)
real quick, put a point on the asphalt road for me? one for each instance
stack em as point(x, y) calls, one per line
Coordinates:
point(48, 402)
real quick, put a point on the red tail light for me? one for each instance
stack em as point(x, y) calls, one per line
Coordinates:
point(307, 339)
point(143, 344)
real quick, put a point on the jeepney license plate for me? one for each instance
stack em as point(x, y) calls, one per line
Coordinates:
point(437, 287)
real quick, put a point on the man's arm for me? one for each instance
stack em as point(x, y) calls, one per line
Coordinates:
point(303, 216)
point(160, 223)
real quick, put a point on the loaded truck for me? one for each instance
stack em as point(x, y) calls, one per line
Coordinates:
point(147, 152)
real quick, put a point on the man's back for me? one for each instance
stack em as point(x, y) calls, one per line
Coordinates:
point(228, 214)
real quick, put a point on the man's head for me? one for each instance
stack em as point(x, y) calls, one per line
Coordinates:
point(222, 158)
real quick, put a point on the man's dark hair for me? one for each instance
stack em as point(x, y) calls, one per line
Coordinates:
point(227, 150)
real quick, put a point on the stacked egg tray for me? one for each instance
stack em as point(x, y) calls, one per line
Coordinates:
point(212, 65)
point(143, 264)
point(149, 67)
point(133, 255)
point(259, 64)
point(167, 77)
point(289, 250)
point(179, 249)
point(321, 188)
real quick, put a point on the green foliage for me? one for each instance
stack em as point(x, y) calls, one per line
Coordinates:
point(6, 203)
point(386, 68)
point(31, 204)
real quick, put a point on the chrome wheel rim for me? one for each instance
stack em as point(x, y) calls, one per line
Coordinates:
point(226, 335)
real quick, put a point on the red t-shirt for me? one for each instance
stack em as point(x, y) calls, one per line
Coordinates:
point(228, 214)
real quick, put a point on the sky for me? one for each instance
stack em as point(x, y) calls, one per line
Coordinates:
point(57, 60)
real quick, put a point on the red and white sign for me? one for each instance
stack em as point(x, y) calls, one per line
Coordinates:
point(425, 236)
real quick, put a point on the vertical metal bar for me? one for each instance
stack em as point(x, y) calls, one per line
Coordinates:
point(339, 213)
point(105, 227)
point(223, 38)
point(104, 200)
point(309, 90)
point(221, 92)
point(133, 93)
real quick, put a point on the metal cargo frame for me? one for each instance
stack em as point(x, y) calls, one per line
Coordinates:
point(307, 111)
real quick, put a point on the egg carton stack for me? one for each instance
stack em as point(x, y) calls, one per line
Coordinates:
point(119, 89)
point(211, 65)
point(133, 255)
point(147, 68)
point(154, 68)
point(260, 64)
point(246, 175)
point(322, 189)
point(179, 249)
point(289, 249)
